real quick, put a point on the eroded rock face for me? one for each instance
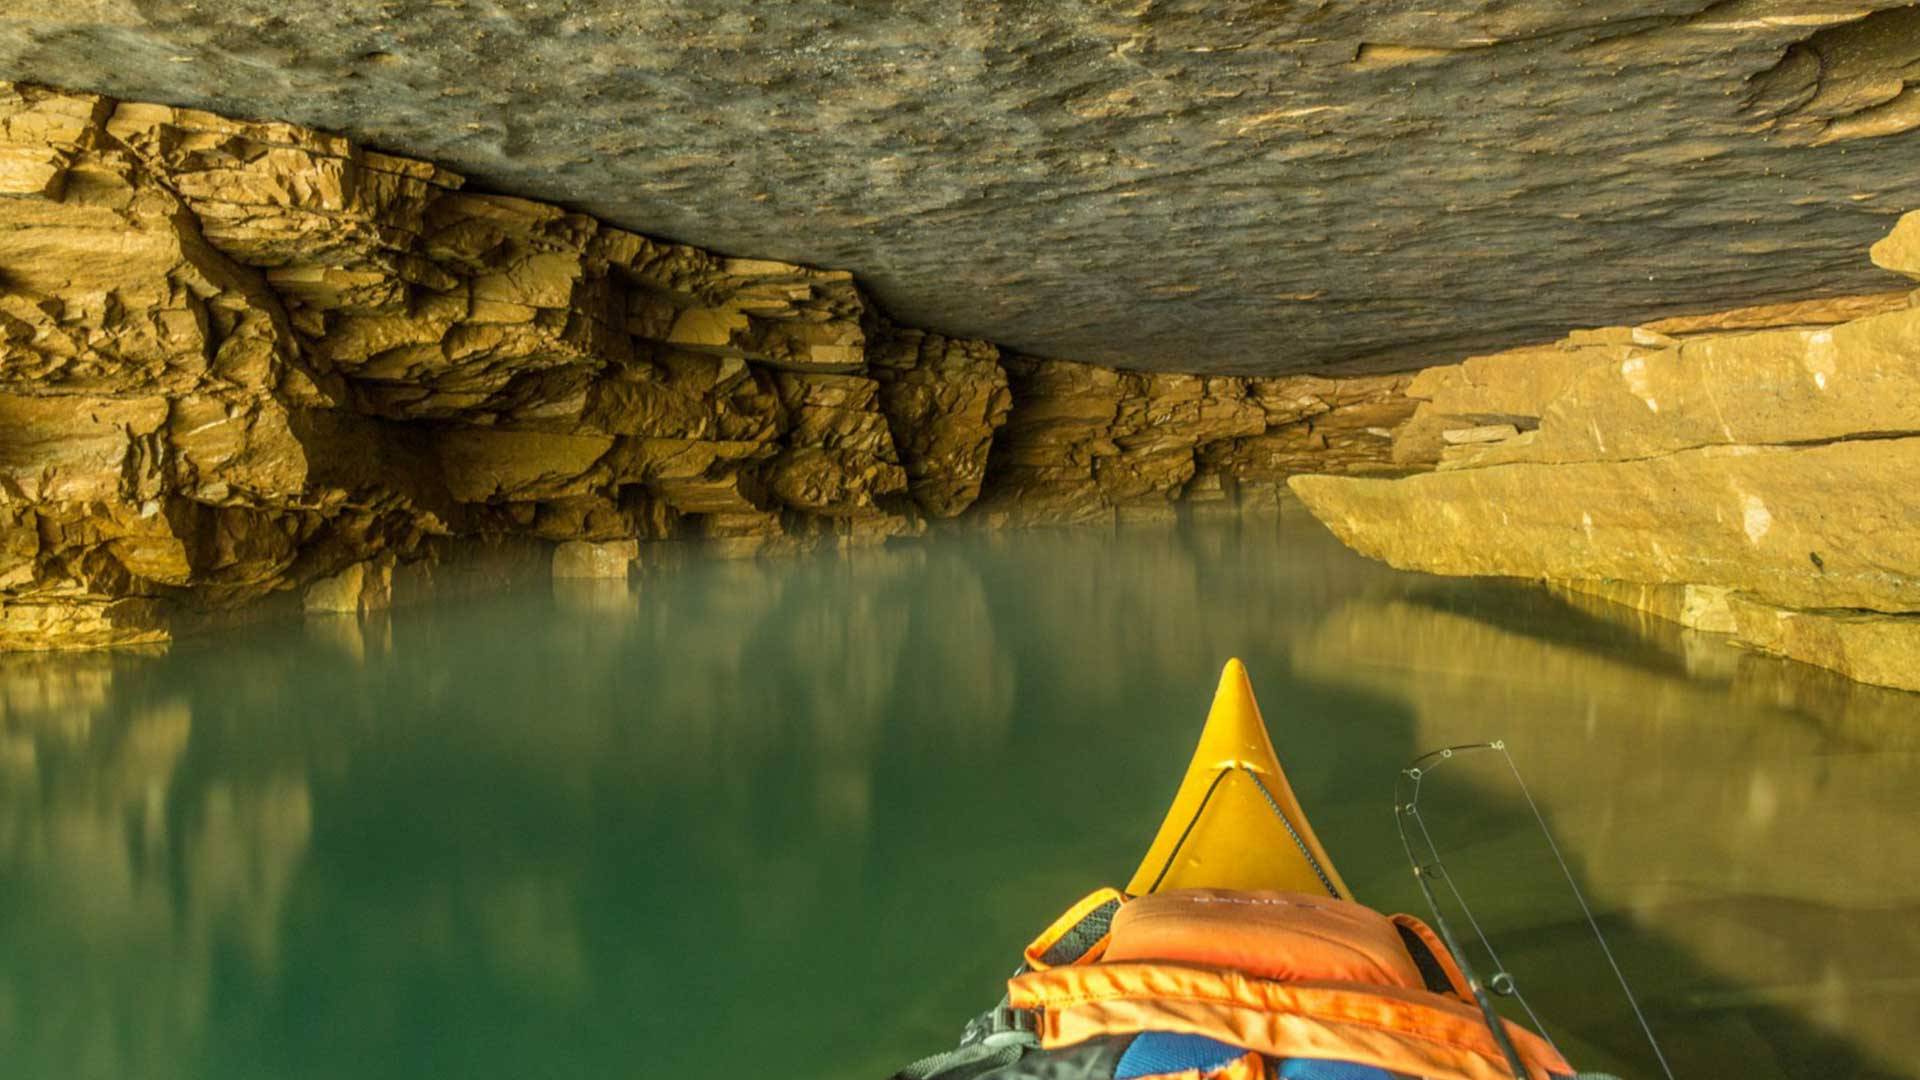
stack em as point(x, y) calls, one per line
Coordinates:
point(1086, 443)
point(944, 399)
point(1756, 482)
point(147, 386)
point(239, 359)
point(245, 362)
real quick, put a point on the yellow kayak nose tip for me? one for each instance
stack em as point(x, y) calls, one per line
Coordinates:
point(1225, 828)
point(1235, 733)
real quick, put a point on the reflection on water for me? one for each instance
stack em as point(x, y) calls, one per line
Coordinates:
point(806, 811)
point(1755, 816)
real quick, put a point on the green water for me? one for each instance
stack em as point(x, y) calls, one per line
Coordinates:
point(795, 818)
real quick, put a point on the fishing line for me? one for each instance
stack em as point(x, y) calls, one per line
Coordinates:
point(1618, 975)
point(1421, 872)
point(1503, 981)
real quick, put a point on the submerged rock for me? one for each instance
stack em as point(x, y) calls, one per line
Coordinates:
point(577, 559)
point(360, 588)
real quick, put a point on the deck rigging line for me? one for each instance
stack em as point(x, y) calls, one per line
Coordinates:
point(1272, 804)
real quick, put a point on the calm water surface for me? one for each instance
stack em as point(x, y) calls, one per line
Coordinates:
point(796, 818)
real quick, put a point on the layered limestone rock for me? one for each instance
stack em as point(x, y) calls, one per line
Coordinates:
point(1086, 443)
point(243, 359)
point(246, 362)
point(1749, 481)
point(148, 388)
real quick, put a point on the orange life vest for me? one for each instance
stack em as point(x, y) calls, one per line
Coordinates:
point(1285, 975)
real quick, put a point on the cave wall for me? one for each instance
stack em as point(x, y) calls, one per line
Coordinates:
point(249, 366)
point(1748, 474)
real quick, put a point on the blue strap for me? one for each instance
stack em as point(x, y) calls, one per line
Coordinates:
point(1153, 1053)
point(1321, 1069)
point(1157, 1053)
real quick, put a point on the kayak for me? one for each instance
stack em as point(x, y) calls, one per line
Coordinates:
point(1237, 952)
point(1235, 822)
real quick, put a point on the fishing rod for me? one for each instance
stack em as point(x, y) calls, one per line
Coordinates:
point(1502, 983)
point(1422, 872)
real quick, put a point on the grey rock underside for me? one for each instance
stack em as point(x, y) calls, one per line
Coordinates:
point(1218, 185)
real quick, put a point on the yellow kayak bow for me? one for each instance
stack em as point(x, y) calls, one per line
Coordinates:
point(1235, 822)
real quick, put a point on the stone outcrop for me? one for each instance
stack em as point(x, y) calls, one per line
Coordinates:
point(248, 363)
point(1752, 481)
point(1847, 81)
point(945, 398)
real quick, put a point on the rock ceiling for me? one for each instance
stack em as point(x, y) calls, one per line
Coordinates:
point(1197, 185)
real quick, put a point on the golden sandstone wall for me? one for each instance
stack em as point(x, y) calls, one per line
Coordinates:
point(1755, 473)
point(249, 365)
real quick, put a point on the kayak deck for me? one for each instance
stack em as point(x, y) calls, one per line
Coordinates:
point(1235, 822)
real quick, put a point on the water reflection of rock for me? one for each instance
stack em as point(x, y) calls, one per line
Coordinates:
point(1163, 607)
point(356, 636)
point(941, 637)
point(231, 795)
point(1761, 870)
point(307, 834)
point(123, 886)
point(759, 647)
